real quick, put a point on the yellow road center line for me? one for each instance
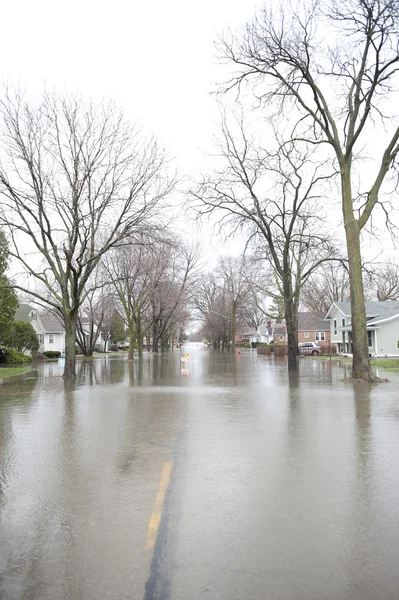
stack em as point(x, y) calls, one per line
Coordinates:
point(158, 506)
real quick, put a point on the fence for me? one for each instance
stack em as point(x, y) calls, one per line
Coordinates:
point(280, 350)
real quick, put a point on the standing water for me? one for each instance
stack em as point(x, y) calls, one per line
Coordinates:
point(217, 478)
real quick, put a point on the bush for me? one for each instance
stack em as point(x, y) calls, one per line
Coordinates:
point(52, 353)
point(13, 357)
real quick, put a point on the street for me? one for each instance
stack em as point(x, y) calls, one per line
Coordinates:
point(221, 479)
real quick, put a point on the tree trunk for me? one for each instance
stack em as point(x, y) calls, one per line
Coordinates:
point(233, 328)
point(70, 341)
point(139, 334)
point(361, 362)
point(291, 323)
point(130, 355)
point(155, 337)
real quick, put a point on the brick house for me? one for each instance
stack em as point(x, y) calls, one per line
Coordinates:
point(313, 327)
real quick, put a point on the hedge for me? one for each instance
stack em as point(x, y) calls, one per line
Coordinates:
point(13, 357)
point(52, 353)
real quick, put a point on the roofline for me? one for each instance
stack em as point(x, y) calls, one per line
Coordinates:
point(336, 306)
point(387, 320)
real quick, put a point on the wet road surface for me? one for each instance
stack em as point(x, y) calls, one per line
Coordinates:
point(221, 480)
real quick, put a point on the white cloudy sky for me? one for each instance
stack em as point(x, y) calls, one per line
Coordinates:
point(156, 59)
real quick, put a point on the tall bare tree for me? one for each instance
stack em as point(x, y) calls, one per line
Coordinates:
point(76, 180)
point(329, 284)
point(334, 65)
point(272, 198)
point(383, 280)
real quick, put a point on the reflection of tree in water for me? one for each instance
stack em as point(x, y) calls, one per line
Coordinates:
point(14, 397)
point(364, 442)
point(87, 372)
point(135, 371)
point(162, 366)
point(101, 371)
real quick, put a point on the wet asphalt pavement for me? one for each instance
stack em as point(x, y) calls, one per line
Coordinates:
point(222, 480)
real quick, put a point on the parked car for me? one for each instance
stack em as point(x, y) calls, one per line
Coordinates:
point(309, 348)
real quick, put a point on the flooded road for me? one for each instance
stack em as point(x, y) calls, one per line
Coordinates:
point(222, 480)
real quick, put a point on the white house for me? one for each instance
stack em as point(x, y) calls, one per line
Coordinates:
point(382, 327)
point(263, 334)
point(49, 329)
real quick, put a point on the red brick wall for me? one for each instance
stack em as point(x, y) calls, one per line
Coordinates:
point(312, 337)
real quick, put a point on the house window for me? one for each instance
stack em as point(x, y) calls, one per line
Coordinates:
point(370, 339)
point(335, 327)
point(281, 338)
point(51, 338)
point(320, 336)
point(343, 322)
point(306, 334)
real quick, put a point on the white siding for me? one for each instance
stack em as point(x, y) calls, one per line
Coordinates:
point(387, 338)
point(338, 316)
point(58, 342)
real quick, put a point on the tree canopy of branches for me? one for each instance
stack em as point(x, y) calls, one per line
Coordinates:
point(329, 284)
point(76, 180)
point(272, 198)
point(223, 299)
point(334, 66)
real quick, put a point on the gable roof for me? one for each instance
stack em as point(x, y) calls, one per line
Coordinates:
point(52, 323)
point(309, 321)
point(385, 309)
point(279, 329)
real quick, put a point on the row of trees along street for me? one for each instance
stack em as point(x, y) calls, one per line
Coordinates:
point(86, 196)
point(77, 181)
point(143, 287)
point(324, 74)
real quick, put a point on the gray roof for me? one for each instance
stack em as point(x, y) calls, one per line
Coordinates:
point(279, 330)
point(309, 321)
point(376, 310)
point(52, 323)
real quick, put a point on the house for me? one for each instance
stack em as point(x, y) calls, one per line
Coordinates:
point(313, 327)
point(382, 327)
point(280, 335)
point(263, 334)
point(49, 329)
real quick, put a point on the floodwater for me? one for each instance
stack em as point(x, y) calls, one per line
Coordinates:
point(221, 480)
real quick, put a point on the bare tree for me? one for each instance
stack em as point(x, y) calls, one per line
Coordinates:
point(273, 199)
point(338, 92)
point(236, 275)
point(329, 284)
point(130, 268)
point(210, 301)
point(175, 272)
point(91, 315)
point(76, 180)
point(383, 280)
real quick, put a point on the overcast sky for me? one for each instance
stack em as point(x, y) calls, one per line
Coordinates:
point(157, 59)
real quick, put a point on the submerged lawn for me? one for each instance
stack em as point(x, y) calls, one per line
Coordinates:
point(13, 371)
point(388, 364)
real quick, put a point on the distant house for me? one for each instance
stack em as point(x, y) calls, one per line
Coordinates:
point(263, 334)
point(382, 327)
point(280, 334)
point(49, 329)
point(313, 327)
